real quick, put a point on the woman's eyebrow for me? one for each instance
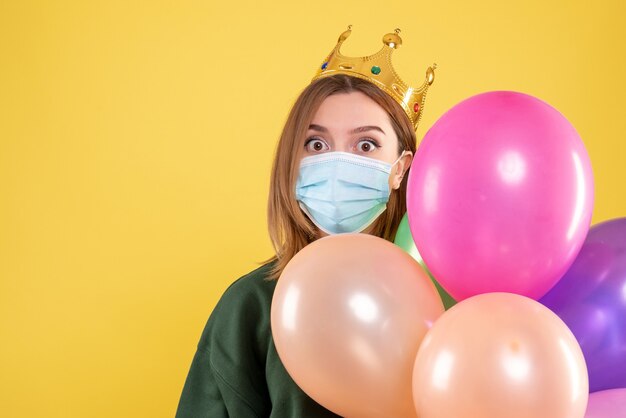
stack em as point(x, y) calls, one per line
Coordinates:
point(354, 131)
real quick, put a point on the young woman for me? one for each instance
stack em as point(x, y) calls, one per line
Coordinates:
point(341, 166)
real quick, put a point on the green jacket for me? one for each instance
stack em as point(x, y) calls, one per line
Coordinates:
point(236, 371)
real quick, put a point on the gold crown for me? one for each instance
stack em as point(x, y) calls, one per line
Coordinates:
point(378, 70)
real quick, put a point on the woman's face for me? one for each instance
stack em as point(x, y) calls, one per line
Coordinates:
point(352, 122)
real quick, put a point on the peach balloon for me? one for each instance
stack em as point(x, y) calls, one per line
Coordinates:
point(500, 355)
point(348, 315)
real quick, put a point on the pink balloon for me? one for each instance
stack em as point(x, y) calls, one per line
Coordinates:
point(607, 404)
point(348, 315)
point(500, 195)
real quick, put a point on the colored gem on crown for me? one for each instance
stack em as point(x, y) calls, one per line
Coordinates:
point(376, 70)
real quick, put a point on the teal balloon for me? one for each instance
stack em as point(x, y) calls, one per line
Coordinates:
point(404, 240)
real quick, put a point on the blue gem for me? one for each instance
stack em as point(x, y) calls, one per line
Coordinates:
point(324, 65)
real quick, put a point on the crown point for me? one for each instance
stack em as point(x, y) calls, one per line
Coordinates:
point(392, 40)
point(430, 75)
point(397, 30)
point(345, 34)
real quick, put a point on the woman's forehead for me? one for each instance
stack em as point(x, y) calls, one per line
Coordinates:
point(348, 111)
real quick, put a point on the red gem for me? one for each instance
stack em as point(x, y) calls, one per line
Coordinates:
point(416, 107)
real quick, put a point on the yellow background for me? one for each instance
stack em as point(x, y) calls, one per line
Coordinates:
point(136, 140)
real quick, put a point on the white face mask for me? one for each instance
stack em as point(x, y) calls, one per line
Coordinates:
point(343, 192)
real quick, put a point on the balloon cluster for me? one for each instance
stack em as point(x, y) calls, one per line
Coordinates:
point(499, 204)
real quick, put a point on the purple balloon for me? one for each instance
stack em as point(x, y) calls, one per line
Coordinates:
point(591, 300)
point(607, 404)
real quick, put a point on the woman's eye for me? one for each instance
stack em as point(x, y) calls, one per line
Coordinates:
point(315, 145)
point(366, 145)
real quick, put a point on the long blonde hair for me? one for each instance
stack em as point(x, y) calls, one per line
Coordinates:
point(289, 228)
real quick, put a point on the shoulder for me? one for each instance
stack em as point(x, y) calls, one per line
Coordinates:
point(253, 286)
point(244, 307)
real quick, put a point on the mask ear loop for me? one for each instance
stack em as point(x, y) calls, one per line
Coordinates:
point(395, 162)
point(398, 159)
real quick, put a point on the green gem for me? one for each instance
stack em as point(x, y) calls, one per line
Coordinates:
point(375, 70)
